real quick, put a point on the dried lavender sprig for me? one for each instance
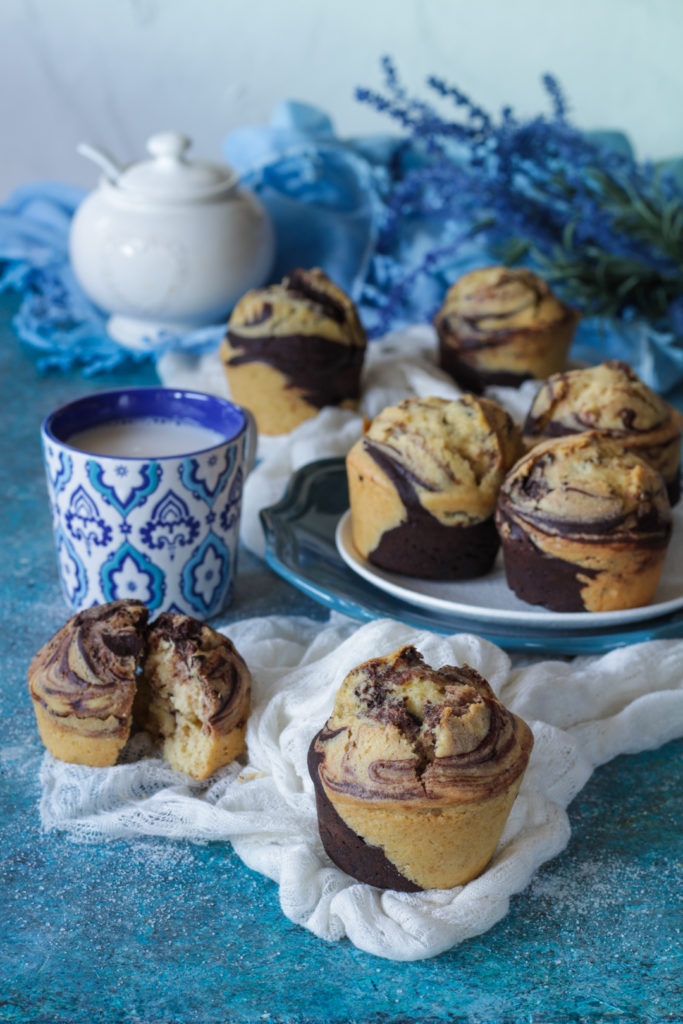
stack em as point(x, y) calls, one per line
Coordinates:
point(607, 227)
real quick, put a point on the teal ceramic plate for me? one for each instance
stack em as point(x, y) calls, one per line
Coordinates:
point(300, 546)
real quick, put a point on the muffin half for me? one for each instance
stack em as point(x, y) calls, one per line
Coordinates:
point(82, 683)
point(194, 695)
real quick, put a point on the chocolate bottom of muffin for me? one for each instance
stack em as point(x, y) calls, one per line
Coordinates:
point(423, 547)
point(673, 488)
point(475, 379)
point(325, 372)
point(539, 578)
point(348, 850)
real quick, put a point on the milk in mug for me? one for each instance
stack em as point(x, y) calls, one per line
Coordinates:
point(150, 437)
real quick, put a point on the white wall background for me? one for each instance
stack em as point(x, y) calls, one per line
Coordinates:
point(114, 71)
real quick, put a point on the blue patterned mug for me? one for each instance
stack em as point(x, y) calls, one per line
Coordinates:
point(145, 487)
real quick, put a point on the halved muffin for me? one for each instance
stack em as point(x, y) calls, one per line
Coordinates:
point(194, 695)
point(82, 683)
point(106, 669)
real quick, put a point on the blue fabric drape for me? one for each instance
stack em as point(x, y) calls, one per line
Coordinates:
point(324, 195)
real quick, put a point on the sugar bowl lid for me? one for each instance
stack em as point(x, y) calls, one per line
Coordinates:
point(168, 175)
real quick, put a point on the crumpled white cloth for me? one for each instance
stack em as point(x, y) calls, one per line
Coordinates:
point(399, 365)
point(582, 714)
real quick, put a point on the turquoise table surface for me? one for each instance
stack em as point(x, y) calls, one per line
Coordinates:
point(159, 932)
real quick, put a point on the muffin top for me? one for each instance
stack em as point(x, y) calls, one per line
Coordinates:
point(610, 397)
point(462, 448)
point(88, 669)
point(499, 299)
point(207, 675)
point(401, 730)
point(306, 302)
point(588, 485)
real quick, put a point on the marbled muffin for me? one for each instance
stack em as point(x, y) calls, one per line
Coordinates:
point(584, 525)
point(423, 484)
point(415, 773)
point(194, 695)
point(107, 669)
point(82, 683)
point(292, 348)
point(613, 399)
point(502, 326)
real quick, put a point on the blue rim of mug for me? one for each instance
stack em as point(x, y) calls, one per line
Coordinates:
point(99, 407)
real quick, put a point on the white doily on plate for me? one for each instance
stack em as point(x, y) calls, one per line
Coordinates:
point(582, 714)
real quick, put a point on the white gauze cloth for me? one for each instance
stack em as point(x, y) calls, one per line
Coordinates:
point(582, 714)
point(399, 365)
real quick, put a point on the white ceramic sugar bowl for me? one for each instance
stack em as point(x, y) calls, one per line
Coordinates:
point(167, 244)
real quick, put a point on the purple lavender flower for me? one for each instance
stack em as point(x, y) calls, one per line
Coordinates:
point(607, 230)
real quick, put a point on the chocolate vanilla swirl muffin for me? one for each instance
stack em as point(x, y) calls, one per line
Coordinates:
point(82, 683)
point(423, 484)
point(502, 326)
point(584, 525)
point(292, 348)
point(194, 695)
point(107, 668)
point(415, 773)
point(613, 399)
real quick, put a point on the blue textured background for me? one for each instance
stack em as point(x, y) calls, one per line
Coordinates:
point(157, 932)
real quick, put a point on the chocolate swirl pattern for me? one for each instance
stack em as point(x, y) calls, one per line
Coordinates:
point(82, 682)
point(612, 399)
point(501, 325)
point(584, 525)
point(194, 695)
point(415, 772)
point(423, 484)
point(292, 348)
